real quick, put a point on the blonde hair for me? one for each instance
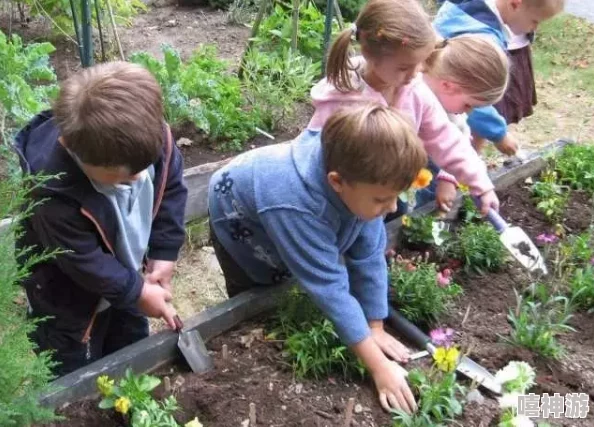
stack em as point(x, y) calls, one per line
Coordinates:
point(382, 27)
point(111, 115)
point(372, 144)
point(475, 63)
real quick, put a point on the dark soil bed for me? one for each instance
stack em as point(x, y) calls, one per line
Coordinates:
point(259, 374)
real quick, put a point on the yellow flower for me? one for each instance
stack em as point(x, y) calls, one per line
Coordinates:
point(193, 423)
point(405, 221)
point(105, 385)
point(423, 179)
point(463, 188)
point(446, 359)
point(122, 405)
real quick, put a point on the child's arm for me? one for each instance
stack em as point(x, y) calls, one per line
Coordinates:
point(83, 258)
point(167, 232)
point(308, 247)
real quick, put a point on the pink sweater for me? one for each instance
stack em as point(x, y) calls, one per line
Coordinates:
point(444, 142)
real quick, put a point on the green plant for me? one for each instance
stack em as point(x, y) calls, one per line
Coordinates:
point(275, 31)
point(423, 230)
point(132, 398)
point(203, 92)
point(551, 197)
point(516, 378)
point(478, 247)
point(26, 79)
point(581, 288)
point(537, 320)
point(274, 82)
point(575, 166)
point(440, 396)
point(420, 292)
point(59, 12)
point(349, 8)
point(311, 342)
point(25, 372)
point(578, 250)
point(468, 211)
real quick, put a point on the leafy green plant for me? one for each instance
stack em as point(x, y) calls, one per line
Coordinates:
point(422, 230)
point(536, 321)
point(59, 12)
point(575, 166)
point(516, 378)
point(581, 287)
point(203, 92)
point(25, 372)
point(26, 78)
point(349, 8)
point(420, 291)
point(132, 398)
point(311, 342)
point(274, 82)
point(468, 211)
point(551, 197)
point(578, 250)
point(439, 395)
point(275, 31)
point(478, 247)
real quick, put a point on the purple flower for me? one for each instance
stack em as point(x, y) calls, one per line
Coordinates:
point(442, 337)
point(592, 261)
point(545, 238)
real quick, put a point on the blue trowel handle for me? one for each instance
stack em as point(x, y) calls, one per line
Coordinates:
point(493, 217)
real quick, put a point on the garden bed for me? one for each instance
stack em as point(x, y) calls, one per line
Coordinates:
point(260, 375)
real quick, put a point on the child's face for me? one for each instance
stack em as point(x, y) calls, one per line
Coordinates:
point(366, 201)
point(398, 69)
point(109, 175)
point(523, 19)
point(454, 100)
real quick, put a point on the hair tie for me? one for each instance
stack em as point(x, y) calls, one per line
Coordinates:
point(354, 30)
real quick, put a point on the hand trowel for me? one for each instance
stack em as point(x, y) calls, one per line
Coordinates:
point(192, 347)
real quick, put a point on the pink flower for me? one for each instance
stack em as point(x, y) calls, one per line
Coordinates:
point(545, 238)
point(442, 337)
point(444, 278)
point(592, 261)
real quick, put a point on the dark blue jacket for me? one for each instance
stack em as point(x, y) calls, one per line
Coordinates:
point(81, 222)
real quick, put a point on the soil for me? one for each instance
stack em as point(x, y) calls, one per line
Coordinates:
point(258, 374)
point(184, 28)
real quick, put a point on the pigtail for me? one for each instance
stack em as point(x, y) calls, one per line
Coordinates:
point(337, 66)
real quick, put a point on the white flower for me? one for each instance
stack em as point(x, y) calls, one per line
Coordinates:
point(522, 421)
point(509, 373)
point(516, 376)
point(509, 400)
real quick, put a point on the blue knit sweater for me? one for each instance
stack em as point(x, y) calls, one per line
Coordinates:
point(274, 212)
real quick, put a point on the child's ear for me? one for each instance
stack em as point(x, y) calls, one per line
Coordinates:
point(335, 181)
point(450, 88)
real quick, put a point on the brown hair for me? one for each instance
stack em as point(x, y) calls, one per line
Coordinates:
point(382, 27)
point(111, 115)
point(475, 63)
point(372, 144)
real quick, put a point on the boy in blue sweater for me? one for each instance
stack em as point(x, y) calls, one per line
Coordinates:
point(499, 19)
point(295, 209)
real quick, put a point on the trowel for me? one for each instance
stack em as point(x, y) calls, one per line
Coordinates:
point(466, 365)
point(191, 345)
point(517, 242)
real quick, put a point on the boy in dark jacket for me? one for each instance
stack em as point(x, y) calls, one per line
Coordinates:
point(114, 210)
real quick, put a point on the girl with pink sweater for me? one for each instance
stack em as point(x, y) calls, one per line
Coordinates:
point(396, 38)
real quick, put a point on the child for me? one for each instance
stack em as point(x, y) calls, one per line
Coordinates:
point(294, 210)
point(396, 37)
point(118, 196)
point(466, 72)
point(497, 19)
point(520, 97)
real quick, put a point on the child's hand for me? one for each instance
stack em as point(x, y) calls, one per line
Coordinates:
point(445, 194)
point(489, 200)
point(154, 302)
point(387, 343)
point(507, 145)
point(160, 273)
point(393, 390)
